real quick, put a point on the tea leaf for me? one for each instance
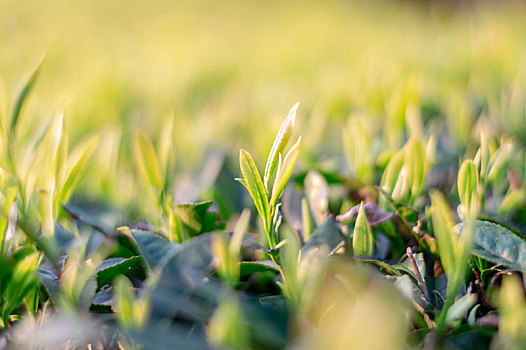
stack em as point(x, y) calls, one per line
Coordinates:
point(147, 162)
point(443, 230)
point(362, 242)
point(499, 245)
point(280, 143)
point(197, 218)
point(284, 172)
point(252, 181)
point(22, 96)
point(468, 184)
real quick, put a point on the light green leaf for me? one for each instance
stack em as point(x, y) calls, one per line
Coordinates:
point(468, 184)
point(254, 184)
point(415, 163)
point(22, 96)
point(306, 219)
point(76, 166)
point(280, 143)
point(392, 172)
point(443, 229)
point(284, 172)
point(457, 311)
point(147, 162)
point(124, 299)
point(362, 241)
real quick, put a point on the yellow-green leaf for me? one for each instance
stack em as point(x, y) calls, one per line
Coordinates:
point(362, 240)
point(280, 142)
point(254, 184)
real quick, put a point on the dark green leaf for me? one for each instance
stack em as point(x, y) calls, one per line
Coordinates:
point(499, 245)
point(250, 267)
point(111, 268)
point(153, 247)
point(197, 218)
point(328, 234)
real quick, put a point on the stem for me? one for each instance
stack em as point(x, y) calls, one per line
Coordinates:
point(423, 287)
point(441, 322)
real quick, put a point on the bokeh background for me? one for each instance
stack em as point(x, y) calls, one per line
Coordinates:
point(229, 71)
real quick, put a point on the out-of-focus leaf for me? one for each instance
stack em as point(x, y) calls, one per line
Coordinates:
point(362, 242)
point(512, 314)
point(22, 96)
point(147, 162)
point(164, 335)
point(317, 191)
point(64, 238)
point(392, 172)
point(184, 286)
point(443, 229)
point(50, 281)
point(415, 163)
point(404, 211)
point(460, 308)
point(197, 218)
point(382, 265)
point(111, 268)
point(472, 315)
point(467, 183)
point(103, 299)
point(499, 245)
point(76, 165)
point(251, 267)
point(79, 215)
point(153, 247)
point(375, 215)
point(124, 300)
point(328, 234)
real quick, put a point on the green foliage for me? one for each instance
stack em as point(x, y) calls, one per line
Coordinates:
point(362, 240)
point(326, 253)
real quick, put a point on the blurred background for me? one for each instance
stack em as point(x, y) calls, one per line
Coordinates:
point(228, 72)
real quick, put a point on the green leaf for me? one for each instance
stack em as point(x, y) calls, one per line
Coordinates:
point(111, 268)
point(124, 298)
point(392, 172)
point(467, 183)
point(280, 143)
point(382, 265)
point(472, 315)
point(76, 166)
point(197, 218)
point(284, 172)
point(22, 96)
point(415, 163)
point(457, 311)
point(362, 241)
point(499, 245)
point(443, 229)
point(153, 247)
point(147, 162)
point(250, 267)
point(404, 211)
point(254, 184)
point(317, 191)
point(306, 219)
point(327, 234)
